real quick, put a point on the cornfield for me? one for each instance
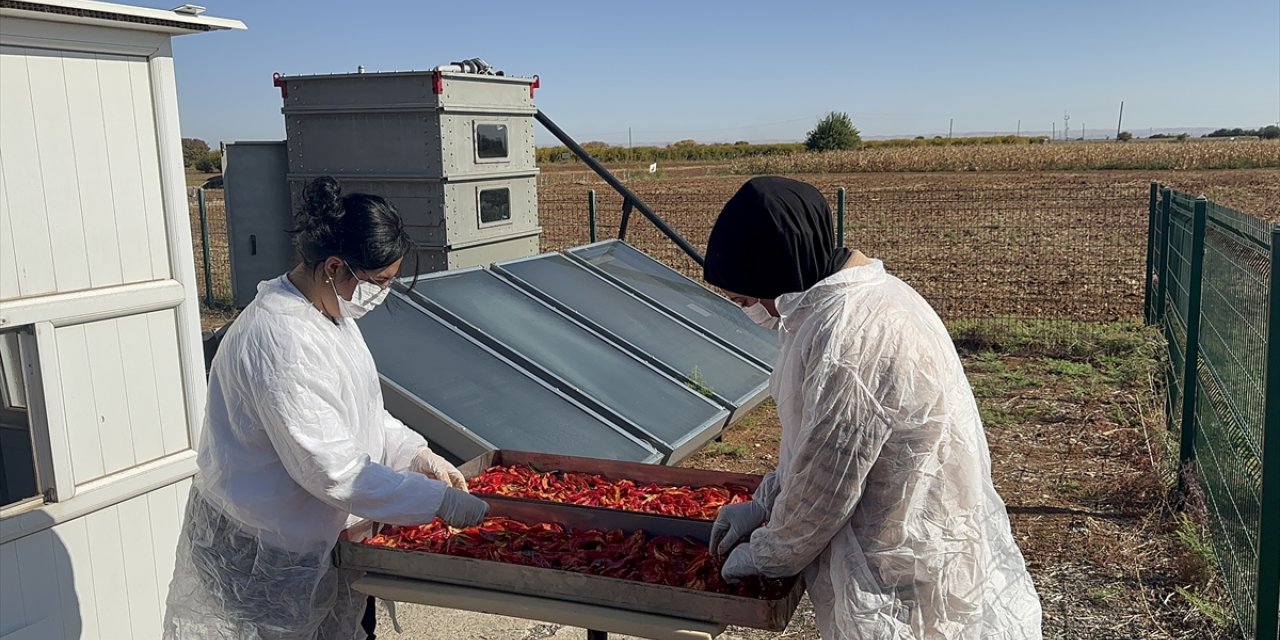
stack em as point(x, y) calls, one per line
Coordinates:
point(1070, 156)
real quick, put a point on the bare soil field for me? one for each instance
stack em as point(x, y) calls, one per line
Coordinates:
point(977, 245)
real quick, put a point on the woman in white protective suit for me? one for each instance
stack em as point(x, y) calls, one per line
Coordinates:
point(883, 495)
point(296, 443)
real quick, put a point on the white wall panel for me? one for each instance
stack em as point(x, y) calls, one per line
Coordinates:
point(169, 391)
point(59, 179)
point(124, 163)
point(149, 169)
point(12, 615)
point(8, 258)
point(19, 150)
point(110, 397)
point(40, 584)
point(110, 584)
point(79, 405)
point(83, 202)
point(94, 182)
point(141, 388)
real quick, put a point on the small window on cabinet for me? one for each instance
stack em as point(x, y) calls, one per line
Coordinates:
point(491, 142)
point(494, 206)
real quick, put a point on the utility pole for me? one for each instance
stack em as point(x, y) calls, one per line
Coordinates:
point(1019, 128)
point(951, 127)
point(1120, 122)
point(1066, 126)
point(630, 152)
point(1053, 135)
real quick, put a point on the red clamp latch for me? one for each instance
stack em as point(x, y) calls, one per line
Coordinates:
point(437, 82)
point(278, 80)
point(537, 82)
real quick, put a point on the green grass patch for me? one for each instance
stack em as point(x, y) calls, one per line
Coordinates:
point(1211, 610)
point(727, 450)
point(993, 417)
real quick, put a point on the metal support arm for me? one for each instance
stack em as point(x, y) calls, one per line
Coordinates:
point(627, 195)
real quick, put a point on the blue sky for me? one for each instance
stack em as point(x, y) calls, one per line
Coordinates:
point(764, 71)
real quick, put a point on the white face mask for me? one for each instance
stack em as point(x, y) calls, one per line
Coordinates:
point(762, 317)
point(366, 296)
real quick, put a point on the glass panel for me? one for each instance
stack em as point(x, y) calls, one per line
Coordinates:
point(491, 140)
point(18, 481)
point(663, 407)
point(478, 390)
point(686, 298)
point(495, 205)
point(653, 332)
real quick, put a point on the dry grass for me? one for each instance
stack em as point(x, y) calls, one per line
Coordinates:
point(1073, 156)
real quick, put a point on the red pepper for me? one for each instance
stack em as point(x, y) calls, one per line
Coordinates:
point(598, 491)
point(667, 560)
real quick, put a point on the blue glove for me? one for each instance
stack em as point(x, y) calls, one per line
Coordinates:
point(740, 564)
point(735, 522)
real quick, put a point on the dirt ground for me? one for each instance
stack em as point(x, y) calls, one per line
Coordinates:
point(976, 245)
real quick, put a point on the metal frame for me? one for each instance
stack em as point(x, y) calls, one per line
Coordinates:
point(629, 199)
point(673, 452)
point(573, 586)
point(768, 366)
point(737, 406)
point(456, 432)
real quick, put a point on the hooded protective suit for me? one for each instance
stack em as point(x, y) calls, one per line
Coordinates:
point(883, 494)
point(296, 446)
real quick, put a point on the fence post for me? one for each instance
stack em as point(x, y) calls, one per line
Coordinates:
point(840, 217)
point(1268, 592)
point(204, 243)
point(626, 218)
point(1148, 314)
point(591, 214)
point(1186, 449)
point(1162, 287)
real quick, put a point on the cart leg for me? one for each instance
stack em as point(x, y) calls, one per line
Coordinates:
point(592, 634)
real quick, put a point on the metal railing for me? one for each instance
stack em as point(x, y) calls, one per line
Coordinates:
point(1213, 285)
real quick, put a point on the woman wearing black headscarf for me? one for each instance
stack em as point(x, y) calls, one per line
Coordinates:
point(883, 494)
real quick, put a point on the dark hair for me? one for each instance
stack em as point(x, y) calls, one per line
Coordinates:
point(364, 230)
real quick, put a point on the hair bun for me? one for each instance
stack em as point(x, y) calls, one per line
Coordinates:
point(322, 202)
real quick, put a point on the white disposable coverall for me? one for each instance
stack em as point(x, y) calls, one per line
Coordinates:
point(296, 446)
point(883, 494)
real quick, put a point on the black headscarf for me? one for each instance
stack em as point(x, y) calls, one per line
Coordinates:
point(773, 237)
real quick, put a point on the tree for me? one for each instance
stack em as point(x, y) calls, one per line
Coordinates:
point(1270, 132)
point(210, 162)
point(834, 131)
point(193, 149)
point(1124, 136)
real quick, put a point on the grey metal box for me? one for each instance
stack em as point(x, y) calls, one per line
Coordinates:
point(395, 124)
point(454, 152)
point(440, 215)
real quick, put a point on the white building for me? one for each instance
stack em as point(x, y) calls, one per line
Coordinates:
point(102, 376)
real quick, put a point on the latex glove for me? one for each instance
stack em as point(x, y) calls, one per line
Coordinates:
point(461, 509)
point(735, 522)
point(430, 464)
point(740, 564)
